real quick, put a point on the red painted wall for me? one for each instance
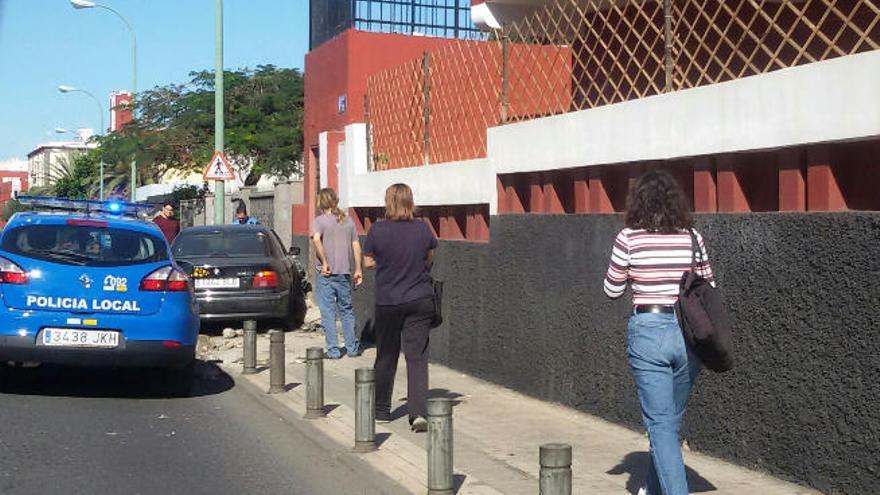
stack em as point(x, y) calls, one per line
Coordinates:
point(22, 176)
point(338, 67)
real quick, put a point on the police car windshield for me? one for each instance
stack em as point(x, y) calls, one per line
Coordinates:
point(84, 245)
point(221, 244)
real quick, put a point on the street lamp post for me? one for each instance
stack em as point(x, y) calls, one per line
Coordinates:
point(86, 4)
point(69, 89)
point(219, 187)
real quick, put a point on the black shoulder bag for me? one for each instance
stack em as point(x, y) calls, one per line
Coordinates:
point(438, 303)
point(702, 317)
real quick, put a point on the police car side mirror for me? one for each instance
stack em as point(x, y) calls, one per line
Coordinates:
point(293, 251)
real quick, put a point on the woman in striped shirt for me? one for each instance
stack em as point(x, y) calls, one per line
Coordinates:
point(651, 254)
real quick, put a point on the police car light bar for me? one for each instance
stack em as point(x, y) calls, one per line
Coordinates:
point(87, 205)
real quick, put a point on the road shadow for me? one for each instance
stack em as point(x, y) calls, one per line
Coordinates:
point(118, 383)
point(434, 393)
point(636, 465)
point(457, 482)
point(442, 393)
point(381, 438)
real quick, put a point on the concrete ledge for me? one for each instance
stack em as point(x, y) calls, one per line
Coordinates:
point(826, 101)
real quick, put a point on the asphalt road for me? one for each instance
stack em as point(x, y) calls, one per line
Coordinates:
point(81, 431)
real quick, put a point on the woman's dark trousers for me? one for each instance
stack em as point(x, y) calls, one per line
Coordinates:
point(404, 327)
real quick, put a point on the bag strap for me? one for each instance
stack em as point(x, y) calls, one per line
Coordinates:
point(695, 249)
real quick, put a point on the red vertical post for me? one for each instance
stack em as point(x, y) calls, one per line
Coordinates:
point(536, 192)
point(823, 191)
point(581, 191)
point(792, 183)
point(551, 193)
point(705, 187)
point(600, 201)
point(512, 202)
point(477, 228)
point(731, 197)
point(356, 219)
point(501, 192)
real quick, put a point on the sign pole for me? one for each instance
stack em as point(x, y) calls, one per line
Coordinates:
point(219, 188)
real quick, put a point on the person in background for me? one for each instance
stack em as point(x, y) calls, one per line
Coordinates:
point(650, 254)
point(241, 216)
point(402, 250)
point(166, 222)
point(338, 250)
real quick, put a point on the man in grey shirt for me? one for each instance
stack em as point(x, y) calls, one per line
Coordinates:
point(337, 250)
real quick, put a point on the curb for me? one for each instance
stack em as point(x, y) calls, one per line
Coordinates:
point(396, 458)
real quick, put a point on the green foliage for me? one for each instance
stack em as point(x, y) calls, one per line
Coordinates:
point(184, 192)
point(78, 179)
point(12, 207)
point(175, 130)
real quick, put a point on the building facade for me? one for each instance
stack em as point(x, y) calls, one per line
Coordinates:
point(520, 145)
point(46, 161)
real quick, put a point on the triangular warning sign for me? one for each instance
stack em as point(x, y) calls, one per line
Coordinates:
point(218, 168)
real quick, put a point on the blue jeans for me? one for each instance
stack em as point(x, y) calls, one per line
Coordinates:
point(664, 369)
point(332, 292)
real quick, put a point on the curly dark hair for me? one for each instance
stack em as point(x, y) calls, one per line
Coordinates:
point(657, 203)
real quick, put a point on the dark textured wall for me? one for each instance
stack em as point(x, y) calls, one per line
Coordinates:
point(527, 311)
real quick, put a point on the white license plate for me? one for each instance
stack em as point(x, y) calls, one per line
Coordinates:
point(217, 283)
point(75, 337)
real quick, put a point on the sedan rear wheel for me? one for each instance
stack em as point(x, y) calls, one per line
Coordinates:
point(296, 309)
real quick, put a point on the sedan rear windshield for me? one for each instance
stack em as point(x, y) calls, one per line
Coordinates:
point(85, 245)
point(221, 244)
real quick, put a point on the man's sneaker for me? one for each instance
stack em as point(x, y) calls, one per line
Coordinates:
point(357, 352)
point(419, 424)
point(383, 416)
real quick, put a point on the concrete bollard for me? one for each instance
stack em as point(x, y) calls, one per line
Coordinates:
point(277, 383)
point(555, 477)
point(440, 481)
point(314, 382)
point(250, 348)
point(365, 410)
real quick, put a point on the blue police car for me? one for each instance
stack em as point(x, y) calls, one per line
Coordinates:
point(87, 284)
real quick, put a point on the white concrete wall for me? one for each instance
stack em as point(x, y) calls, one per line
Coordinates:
point(322, 159)
point(827, 101)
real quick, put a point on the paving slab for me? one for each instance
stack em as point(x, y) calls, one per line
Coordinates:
point(497, 431)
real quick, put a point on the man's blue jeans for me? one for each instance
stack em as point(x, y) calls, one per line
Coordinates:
point(664, 369)
point(332, 292)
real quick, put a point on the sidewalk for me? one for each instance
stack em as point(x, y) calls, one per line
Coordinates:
point(497, 431)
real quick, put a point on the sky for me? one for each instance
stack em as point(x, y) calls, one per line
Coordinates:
point(45, 43)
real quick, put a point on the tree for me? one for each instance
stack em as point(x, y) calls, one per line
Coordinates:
point(175, 130)
point(77, 178)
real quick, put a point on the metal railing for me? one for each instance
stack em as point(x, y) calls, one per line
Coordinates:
point(571, 55)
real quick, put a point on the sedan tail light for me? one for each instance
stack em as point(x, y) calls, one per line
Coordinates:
point(265, 279)
point(167, 279)
point(10, 273)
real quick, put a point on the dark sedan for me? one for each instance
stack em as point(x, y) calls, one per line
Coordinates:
point(242, 272)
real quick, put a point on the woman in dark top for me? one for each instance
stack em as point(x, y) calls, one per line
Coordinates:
point(401, 249)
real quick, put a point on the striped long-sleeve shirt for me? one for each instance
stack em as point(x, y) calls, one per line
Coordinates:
point(653, 264)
